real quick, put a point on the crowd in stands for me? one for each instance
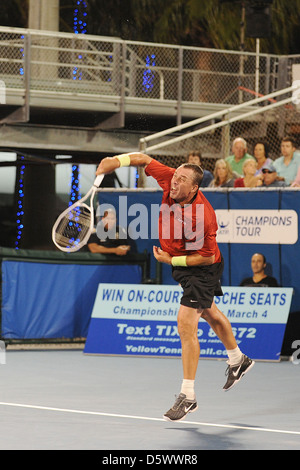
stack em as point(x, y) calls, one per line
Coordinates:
point(242, 170)
point(239, 170)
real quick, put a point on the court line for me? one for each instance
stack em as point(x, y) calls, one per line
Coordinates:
point(146, 418)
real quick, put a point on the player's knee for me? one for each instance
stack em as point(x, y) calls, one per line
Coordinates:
point(212, 314)
point(186, 329)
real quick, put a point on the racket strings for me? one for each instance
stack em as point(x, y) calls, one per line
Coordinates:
point(73, 227)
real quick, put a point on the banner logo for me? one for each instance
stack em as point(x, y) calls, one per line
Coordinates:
point(257, 226)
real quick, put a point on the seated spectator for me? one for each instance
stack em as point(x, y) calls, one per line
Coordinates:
point(287, 165)
point(249, 179)
point(109, 237)
point(261, 156)
point(296, 182)
point(223, 175)
point(259, 278)
point(195, 157)
point(240, 155)
point(270, 179)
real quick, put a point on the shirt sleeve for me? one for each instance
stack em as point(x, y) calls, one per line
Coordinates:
point(162, 173)
point(272, 282)
point(277, 164)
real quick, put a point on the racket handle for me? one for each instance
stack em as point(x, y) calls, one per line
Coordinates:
point(98, 180)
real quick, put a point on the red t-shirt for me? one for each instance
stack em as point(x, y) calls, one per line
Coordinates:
point(184, 230)
point(239, 183)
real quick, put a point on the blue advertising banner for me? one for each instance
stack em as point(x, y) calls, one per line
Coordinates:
point(141, 320)
point(37, 302)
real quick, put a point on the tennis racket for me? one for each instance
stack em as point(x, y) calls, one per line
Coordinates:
point(74, 226)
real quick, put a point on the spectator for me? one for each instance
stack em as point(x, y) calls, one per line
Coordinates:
point(296, 183)
point(195, 157)
point(261, 156)
point(287, 165)
point(223, 175)
point(109, 237)
point(259, 278)
point(249, 179)
point(240, 155)
point(270, 178)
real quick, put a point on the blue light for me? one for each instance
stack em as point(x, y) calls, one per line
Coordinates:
point(136, 178)
point(148, 75)
point(75, 185)
point(21, 69)
point(20, 213)
point(79, 27)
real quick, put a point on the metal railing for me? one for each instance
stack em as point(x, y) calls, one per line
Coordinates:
point(224, 116)
point(280, 116)
point(38, 64)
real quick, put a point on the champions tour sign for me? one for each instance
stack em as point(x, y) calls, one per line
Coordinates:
point(257, 226)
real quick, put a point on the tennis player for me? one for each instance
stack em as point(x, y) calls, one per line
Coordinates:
point(197, 264)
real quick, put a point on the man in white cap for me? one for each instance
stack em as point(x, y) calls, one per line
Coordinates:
point(270, 177)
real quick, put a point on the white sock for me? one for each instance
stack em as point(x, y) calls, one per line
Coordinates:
point(235, 356)
point(187, 387)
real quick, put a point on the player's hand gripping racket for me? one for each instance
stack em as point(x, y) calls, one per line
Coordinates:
point(74, 226)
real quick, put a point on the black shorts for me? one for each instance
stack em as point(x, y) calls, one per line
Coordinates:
point(200, 284)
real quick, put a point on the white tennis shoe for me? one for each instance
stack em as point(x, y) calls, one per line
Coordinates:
point(181, 408)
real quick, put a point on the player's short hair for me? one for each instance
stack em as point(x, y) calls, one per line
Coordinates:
point(197, 171)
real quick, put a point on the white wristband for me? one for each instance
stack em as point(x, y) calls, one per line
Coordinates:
point(179, 261)
point(124, 159)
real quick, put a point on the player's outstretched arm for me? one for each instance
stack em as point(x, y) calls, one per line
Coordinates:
point(190, 260)
point(110, 164)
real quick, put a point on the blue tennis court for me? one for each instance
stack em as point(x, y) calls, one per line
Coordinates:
point(66, 400)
